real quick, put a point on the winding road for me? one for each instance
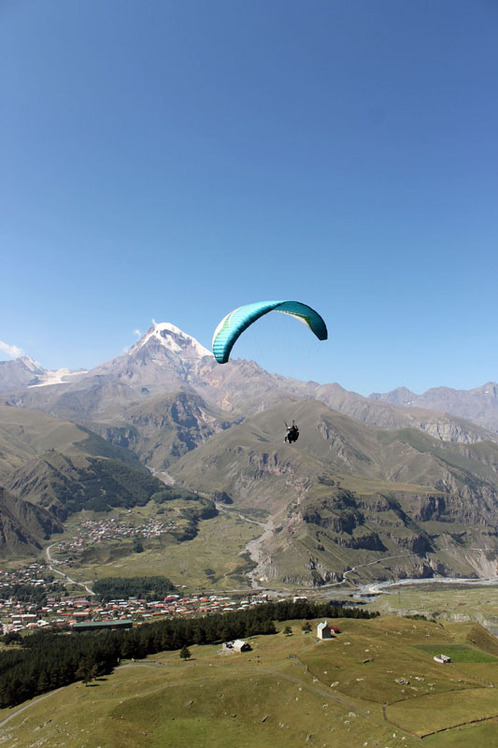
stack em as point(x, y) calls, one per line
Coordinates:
point(51, 561)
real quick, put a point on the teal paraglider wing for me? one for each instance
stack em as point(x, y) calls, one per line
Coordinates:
point(234, 324)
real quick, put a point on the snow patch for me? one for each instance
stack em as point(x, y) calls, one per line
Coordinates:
point(59, 376)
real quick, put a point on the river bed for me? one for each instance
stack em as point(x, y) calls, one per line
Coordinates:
point(376, 588)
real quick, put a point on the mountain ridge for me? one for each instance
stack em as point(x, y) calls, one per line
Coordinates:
point(479, 404)
point(167, 360)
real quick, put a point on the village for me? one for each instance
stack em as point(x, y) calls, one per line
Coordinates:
point(77, 611)
point(94, 532)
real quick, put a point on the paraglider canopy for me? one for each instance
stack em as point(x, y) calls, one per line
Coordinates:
point(236, 322)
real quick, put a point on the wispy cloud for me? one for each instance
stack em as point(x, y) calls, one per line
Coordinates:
point(137, 333)
point(11, 350)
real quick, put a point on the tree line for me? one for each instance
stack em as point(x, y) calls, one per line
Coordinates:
point(147, 588)
point(47, 660)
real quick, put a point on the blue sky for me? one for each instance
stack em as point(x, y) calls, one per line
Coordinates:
point(173, 160)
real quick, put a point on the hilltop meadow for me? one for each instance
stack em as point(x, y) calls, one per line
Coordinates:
point(375, 685)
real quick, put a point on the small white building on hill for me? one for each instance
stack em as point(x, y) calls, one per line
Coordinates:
point(239, 645)
point(444, 659)
point(324, 631)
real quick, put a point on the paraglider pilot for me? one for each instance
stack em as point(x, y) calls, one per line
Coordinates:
point(292, 433)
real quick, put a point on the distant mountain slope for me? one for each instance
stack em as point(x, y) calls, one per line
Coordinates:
point(50, 468)
point(479, 404)
point(64, 483)
point(348, 493)
point(163, 428)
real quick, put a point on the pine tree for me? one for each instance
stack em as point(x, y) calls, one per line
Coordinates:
point(185, 653)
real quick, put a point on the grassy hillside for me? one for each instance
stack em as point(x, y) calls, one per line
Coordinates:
point(376, 684)
point(25, 434)
point(331, 442)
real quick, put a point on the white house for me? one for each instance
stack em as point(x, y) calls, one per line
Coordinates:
point(236, 646)
point(241, 646)
point(324, 631)
point(444, 659)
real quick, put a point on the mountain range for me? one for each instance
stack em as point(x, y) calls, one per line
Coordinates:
point(479, 404)
point(397, 476)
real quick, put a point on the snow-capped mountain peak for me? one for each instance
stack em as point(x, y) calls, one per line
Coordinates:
point(172, 338)
point(30, 364)
point(19, 373)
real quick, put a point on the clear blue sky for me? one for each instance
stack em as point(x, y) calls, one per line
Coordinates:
point(174, 159)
